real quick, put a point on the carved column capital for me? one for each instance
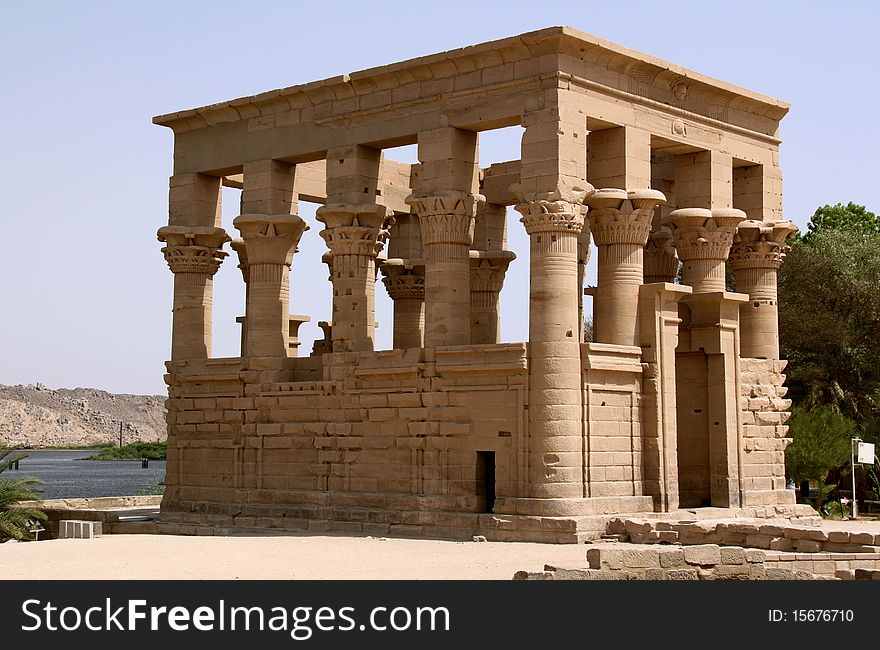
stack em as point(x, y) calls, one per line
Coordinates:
point(446, 217)
point(761, 244)
point(270, 238)
point(702, 234)
point(702, 239)
point(620, 217)
point(661, 260)
point(561, 210)
point(193, 249)
point(241, 250)
point(355, 229)
point(488, 269)
point(404, 279)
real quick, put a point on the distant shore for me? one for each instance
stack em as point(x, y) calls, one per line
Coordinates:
point(111, 451)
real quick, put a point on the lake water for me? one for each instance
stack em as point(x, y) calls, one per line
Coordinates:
point(68, 476)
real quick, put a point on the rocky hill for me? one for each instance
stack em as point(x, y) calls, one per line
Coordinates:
point(36, 416)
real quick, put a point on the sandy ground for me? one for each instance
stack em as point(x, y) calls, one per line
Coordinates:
point(132, 557)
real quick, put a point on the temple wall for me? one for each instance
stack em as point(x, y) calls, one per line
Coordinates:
point(764, 413)
point(347, 436)
point(612, 405)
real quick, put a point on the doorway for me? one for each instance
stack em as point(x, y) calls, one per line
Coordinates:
point(485, 481)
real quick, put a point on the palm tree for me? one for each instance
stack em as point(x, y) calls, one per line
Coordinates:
point(16, 522)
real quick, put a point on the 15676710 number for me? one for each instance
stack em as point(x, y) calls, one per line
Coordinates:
point(811, 616)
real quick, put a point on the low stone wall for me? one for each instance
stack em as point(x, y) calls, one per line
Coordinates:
point(102, 509)
point(651, 562)
point(616, 561)
point(859, 574)
point(773, 535)
point(828, 565)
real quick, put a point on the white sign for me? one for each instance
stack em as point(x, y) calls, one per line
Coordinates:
point(866, 453)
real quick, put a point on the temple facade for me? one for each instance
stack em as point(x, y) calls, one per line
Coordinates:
point(675, 402)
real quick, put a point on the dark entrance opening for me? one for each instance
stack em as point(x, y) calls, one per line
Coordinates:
point(485, 481)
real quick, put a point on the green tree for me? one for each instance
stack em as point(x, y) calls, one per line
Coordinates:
point(16, 521)
point(822, 442)
point(829, 321)
point(843, 217)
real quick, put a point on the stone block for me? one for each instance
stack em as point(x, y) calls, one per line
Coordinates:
point(779, 574)
point(733, 555)
point(702, 555)
point(671, 558)
point(733, 572)
point(641, 559)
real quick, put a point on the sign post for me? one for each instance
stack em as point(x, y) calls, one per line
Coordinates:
point(862, 452)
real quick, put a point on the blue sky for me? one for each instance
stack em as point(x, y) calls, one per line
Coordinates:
point(86, 295)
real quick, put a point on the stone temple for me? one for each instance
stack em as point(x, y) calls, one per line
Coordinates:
point(677, 401)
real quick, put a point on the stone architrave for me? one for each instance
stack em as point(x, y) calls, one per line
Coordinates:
point(703, 238)
point(620, 222)
point(553, 221)
point(405, 282)
point(193, 253)
point(355, 234)
point(758, 250)
point(269, 242)
point(661, 260)
point(488, 269)
point(447, 227)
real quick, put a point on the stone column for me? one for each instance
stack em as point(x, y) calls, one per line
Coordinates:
point(551, 193)
point(620, 222)
point(553, 222)
point(446, 202)
point(405, 282)
point(269, 242)
point(487, 278)
point(447, 224)
point(661, 260)
point(193, 254)
point(239, 247)
point(702, 239)
point(757, 253)
point(355, 233)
